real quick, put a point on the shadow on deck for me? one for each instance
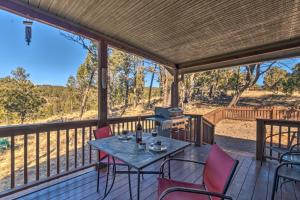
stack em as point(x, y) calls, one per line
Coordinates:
point(251, 180)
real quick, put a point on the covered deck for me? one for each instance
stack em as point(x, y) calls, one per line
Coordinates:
point(184, 36)
point(251, 181)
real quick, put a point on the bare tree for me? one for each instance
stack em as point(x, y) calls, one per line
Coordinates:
point(242, 81)
point(90, 65)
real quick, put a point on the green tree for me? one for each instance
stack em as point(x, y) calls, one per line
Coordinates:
point(20, 96)
point(139, 84)
point(115, 62)
point(86, 78)
point(292, 80)
point(87, 72)
point(71, 86)
point(275, 78)
point(20, 74)
point(165, 79)
point(153, 71)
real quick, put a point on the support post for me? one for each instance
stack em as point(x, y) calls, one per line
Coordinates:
point(102, 83)
point(260, 137)
point(199, 130)
point(175, 90)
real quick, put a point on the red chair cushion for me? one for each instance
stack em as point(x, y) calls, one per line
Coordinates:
point(217, 170)
point(101, 133)
point(164, 184)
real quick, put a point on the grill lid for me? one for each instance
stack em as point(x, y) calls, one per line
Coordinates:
point(168, 112)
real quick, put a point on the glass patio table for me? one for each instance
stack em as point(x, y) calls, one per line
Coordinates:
point(129, 152)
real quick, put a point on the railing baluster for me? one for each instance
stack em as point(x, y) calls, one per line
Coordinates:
point(75, 148)
point(280, 133)
point(67, 150)
point(12, 161)
point(298, 136)
point(147, 125)
point(25, 158)
point(289, 137)
point(57, 151)
point(190, 129)
point(48, 153)
point(37, 156)
point(83, 144)
point(90, 148)
point(271, 141)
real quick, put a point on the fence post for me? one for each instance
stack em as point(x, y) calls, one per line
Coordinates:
point(199, 131)
point(272, 113)
point(260, 137)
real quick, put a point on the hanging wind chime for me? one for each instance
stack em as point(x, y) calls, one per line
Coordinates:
point(28, 31)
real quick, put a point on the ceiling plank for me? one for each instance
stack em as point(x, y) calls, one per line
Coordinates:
point(288, 49)
point(33, 13)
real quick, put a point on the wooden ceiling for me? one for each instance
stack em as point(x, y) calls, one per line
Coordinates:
point(193, 34)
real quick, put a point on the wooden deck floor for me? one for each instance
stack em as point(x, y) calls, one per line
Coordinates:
point(251, 181)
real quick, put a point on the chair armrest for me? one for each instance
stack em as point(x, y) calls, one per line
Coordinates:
point(294, 146)
point(190, 190)
point(180, 159)
point(288, 153)
point(285, 164)
point(177, 159)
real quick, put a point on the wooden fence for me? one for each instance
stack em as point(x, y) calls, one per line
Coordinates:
point(39, 153)
point(252, 113)
point(277, 127)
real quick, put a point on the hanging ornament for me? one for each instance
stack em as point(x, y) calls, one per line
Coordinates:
point(28, 31)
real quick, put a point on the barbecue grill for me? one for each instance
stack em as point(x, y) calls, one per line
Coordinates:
point(171, 122)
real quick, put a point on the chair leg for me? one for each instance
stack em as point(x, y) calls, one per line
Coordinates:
point(275, 185)
point(169, 169)
point(263, 154)
point(129, 183)
point(113, 179)
point(107, 176)
point(98, 176)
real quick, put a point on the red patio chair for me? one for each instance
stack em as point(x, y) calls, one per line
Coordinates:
point(217, 174)
point(104, 158)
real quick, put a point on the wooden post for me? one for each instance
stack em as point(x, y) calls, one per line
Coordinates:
point(199, 130)
point(175, 90)
point(102, 83)
point(260, 137)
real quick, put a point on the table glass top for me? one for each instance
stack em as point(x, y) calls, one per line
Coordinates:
point(129, 151)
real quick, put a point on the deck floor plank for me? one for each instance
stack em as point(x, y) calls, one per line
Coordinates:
point(262, 183)
point(251, 181)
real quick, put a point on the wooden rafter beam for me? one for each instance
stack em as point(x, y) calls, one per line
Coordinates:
point(36, 14)
point(279, 50)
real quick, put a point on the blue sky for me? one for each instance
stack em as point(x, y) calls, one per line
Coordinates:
point(50, 58)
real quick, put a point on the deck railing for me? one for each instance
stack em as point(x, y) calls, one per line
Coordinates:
point(39, 153)
point(208, 131)
point(251, 113)
point(275, 134)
